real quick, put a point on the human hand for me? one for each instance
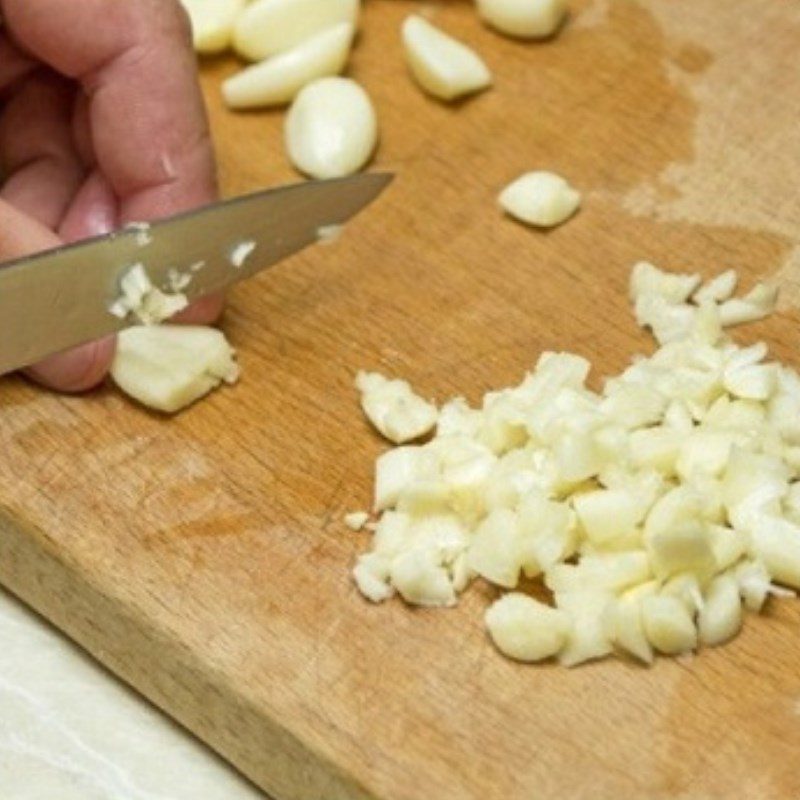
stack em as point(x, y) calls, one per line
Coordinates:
point(101, 123)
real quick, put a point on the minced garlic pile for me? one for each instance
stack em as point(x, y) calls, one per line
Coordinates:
point(653, 510)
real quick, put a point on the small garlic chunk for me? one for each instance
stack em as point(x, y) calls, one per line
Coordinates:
point(144, 301)
point(526, 19)
point(757, 304)
point(212, 23)
point(421, 579)
point(168, 367)
point(331, 129)
point(441, 65)
point(393, 408)
point(371, 574)
point(278, 79)
point(356, 520)
point(525, 629)
point(267, 27)
point(540, 198)
point(718, 289)
point(241, 252)
point(588, 638)
point(720, 618)
point(668, 625)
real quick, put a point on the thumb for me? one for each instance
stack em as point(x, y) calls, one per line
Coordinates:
point(74, 370)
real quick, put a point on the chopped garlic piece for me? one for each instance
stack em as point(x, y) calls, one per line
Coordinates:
point(356, 520)
point(720, 618)
point(624, 624)
point(371, 575)
point(588, 637)
point(540, 198)
point(526, 19)
point(177, 280)
point(168, 367)
point(331, 129)
point(212, 23)
point(144, 301)
point(441, 65)
point(776, 542)
point(141, 232)
point(278, 79)
point(241, 252)
point(526, 630)
point(328, 234)
point(647, 279)
point(393, 408)
point(421, 579)
point(759, 303)
point(668, 625)
point(718, 289)
point(267, 27)
point(607, 514)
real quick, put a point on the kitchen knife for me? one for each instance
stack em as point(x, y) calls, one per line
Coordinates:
point(60, 298)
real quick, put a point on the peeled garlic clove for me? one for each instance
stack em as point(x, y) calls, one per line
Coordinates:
point(168, 367)
point(720, 618)
point(525, 629)
point(526, 19)
point(540, 198)
point(278, 79)
point(267, 27)
point(331, 129)
point(441, 65)
point(212, 23)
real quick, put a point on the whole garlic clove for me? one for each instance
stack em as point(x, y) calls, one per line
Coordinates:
point(441, 65)
point(212, 23)
point(331, 129)
point(278, 79)
point(525, 19)
point(540, 198)
point(267, 27)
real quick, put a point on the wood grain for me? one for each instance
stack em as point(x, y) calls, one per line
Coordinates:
point(203, 558)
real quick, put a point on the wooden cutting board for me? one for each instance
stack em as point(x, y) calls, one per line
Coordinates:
point(204, 559)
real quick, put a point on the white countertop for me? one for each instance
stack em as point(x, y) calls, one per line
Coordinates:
point(70, 730)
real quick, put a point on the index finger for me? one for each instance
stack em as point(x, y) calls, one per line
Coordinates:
point(135, 61)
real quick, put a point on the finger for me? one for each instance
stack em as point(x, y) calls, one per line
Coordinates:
point(76, 370)
point(149, 128)
point(36, 147)
point(13, 64)
point(93, 210)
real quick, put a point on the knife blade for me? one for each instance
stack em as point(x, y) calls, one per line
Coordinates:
point(60, 298)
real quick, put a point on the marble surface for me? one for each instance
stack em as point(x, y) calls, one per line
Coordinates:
point(69, 730)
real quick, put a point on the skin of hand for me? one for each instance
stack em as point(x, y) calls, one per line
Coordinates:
point(101, 123)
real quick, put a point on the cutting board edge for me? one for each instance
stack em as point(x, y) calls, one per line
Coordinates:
point(155, 667)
